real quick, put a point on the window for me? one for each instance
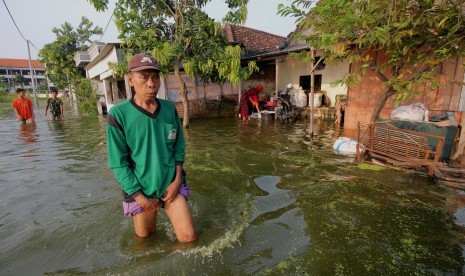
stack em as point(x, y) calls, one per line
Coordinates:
point(320, 66)
point(40, 72)
point(3, 72)
point(121, 89)
point(304, 82)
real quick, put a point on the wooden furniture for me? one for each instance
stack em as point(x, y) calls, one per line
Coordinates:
point(399, 147)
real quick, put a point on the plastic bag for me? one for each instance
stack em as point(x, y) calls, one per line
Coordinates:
point(412, 112)
point(345, 146)
point(301, 98)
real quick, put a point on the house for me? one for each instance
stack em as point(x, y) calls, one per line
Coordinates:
point(449, 97)
point(95, 61)
point(278, 68)
point(10, 67)
point(271, 53)
point(203, 97)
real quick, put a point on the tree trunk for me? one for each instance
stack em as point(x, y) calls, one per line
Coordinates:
point(382, 99)
point(182, 93)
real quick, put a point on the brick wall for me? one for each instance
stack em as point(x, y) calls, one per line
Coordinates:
point(210, 108)
point(265, 78)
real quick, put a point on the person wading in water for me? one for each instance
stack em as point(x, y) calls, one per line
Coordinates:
point(146, 153)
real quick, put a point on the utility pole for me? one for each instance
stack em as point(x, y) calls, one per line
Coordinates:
point(32, 74)
point(312, 89)
point(71, 96)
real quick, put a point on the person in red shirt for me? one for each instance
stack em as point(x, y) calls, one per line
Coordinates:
point(249, 100)
point(23, 107)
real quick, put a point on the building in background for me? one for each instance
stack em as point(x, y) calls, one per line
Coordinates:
point(110, 90)
point(10, 67)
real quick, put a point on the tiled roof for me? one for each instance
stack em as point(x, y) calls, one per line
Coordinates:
point(288, 49)
point(254, 42)
point(21, 63)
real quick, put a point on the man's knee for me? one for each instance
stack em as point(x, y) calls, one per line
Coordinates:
point(187, 235)
point(143, 233)
point(145, 224)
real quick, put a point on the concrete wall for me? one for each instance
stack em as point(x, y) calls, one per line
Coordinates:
point(196, 89)
point(290, 70)
point(102, 66)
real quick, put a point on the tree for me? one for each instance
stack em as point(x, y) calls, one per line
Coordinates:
point(42, 85)
point(20, 79)
point(415, 36)
point(181, 36)
point(58, 55)
point(4, 86)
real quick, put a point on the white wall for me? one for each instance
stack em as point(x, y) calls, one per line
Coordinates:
point(102, 66)
point(290, 70)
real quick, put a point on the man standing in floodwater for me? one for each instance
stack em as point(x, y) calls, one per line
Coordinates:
point(146, 153)
point(56, 106)
point(23, 107)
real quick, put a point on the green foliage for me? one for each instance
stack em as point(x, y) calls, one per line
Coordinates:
point(4, 87)
point(20, 79)
point(59, 54)
point(416, 37)
point(190, 36)
point(87, 97)
point(42, 85)
point(179, 33)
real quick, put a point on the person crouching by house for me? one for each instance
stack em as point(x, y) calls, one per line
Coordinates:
point(56, 106)
point(23, 108)
point(249, 102)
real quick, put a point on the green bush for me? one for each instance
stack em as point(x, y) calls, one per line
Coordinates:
point(87, 99)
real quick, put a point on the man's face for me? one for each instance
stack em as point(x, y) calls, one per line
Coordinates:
point(21, 94)
point(54, 95)
point(146, 84)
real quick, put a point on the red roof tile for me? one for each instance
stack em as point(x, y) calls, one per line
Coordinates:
point(255, 42)
point(21, 63)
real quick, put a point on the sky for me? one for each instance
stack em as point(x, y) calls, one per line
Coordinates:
point(36, 18)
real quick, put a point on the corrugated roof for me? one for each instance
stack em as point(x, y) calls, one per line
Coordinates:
point(21, 63)
point(286, 50)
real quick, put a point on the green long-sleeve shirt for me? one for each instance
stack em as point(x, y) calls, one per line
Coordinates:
point(144, 148)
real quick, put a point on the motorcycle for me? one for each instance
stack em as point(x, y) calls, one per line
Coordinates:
point(284, 109)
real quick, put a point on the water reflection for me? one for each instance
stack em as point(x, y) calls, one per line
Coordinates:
point(277, 228)
point(27, 133)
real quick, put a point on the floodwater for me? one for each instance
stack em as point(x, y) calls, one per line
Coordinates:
point(266, 200)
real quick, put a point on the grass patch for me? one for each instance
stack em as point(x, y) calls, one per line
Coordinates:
point(7, 98)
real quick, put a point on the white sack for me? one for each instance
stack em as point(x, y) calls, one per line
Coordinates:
point(413, 112)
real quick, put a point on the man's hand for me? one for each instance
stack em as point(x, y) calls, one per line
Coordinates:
point(151, 205)
point(172, 190)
